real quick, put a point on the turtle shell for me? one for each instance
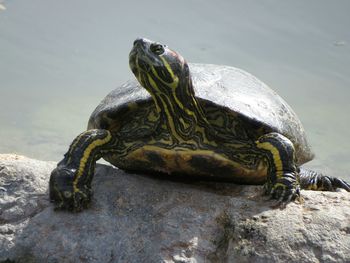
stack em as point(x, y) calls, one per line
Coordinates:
point(226, 87)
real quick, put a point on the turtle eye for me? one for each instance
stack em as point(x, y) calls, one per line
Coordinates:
point(157, 49)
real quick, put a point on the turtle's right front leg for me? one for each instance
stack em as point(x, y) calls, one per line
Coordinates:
point(70, 181)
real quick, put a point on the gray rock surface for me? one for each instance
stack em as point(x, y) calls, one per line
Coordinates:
point(136, 218)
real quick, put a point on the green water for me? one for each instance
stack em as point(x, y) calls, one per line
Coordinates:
point(58, 59)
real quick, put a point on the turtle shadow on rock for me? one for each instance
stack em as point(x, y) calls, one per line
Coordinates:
point(220, 186)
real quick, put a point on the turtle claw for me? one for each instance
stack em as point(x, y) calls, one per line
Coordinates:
point(81, 200)
point(284, 196)
point(284, 191)
point(76, 203)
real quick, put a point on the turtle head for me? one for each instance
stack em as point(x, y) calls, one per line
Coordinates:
point(165, 74)
point(159, 69)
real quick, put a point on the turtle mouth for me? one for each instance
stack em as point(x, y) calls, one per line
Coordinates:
point(138, 50)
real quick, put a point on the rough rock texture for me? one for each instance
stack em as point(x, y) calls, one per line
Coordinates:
point(136, 218)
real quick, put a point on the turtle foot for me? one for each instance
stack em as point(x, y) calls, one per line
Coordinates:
point(284, 190)
point(64, 194)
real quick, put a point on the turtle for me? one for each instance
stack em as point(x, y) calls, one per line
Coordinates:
point(193, 120)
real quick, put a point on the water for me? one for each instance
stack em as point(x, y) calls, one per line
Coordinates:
point(58, 59)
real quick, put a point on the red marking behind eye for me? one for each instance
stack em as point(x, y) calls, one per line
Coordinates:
point(176, 55)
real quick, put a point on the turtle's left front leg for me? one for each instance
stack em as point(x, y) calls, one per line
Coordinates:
point(70, 181)
point(283, 176)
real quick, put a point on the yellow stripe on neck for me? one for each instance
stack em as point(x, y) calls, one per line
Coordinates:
point(169, 116)
point(173, 86)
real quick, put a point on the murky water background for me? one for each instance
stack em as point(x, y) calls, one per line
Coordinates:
point(58, 59)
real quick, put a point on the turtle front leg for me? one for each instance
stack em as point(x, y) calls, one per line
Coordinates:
point(70, 181)
point(283, 176)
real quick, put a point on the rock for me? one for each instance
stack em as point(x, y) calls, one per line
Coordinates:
point(136, 218)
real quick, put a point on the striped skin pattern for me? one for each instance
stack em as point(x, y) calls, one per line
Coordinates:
point(180, 134)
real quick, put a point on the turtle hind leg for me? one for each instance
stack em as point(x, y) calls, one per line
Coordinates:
point(311, 180)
